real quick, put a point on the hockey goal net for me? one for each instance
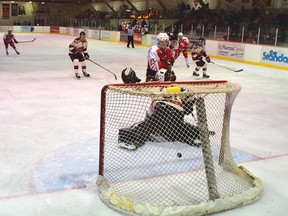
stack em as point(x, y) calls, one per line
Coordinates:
point(165, 150)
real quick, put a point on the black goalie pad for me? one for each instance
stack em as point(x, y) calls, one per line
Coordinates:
point(135, 137)
point(166, 122)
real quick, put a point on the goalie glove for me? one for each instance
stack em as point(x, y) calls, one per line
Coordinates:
point(128, 75)
point(86, 55)
point(208, 59)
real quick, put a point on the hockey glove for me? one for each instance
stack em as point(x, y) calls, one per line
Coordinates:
point(172, 76)
point(208, 59)
point(86, 55)
point(170, 62)
point(73, 50)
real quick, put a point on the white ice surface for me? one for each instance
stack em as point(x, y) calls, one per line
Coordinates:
point(49, 126)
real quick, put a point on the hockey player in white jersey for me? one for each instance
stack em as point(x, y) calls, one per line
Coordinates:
point(160, 56)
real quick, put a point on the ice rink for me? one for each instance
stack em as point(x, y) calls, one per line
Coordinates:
point(49, 129)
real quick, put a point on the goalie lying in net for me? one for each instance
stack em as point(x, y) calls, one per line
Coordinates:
point(164, 122)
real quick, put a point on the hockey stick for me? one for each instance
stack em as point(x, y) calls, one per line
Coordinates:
point(27, 41)
point(235, 70)
point(103, 67)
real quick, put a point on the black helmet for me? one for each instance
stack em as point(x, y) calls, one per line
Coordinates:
point(172, 37)
point(82, 33)
point(202, 39)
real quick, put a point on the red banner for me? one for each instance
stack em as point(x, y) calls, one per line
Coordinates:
point(5, 11)
point(137, 38)
point(54, 29)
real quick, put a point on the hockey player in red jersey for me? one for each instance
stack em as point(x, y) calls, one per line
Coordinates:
point(198, 52)
point(160, 56)
point(9, 39)
point(182, 47)
point(78, 54)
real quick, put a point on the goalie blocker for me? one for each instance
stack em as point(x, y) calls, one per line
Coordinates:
point(128, 75)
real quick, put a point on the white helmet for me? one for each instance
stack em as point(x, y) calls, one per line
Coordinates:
point(162, 37)
point(180, 35)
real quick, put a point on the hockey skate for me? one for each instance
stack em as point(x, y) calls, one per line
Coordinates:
point(205, 75)
point(17, 52)
point(197, 143)
point(188, 65)
point(7, 53)
point(77, 75)
point(128, 146)
point(194, 143)
point(130, 139)
point(195, 73)
point(86, 74)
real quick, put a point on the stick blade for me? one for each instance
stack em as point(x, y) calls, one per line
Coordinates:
point(240, 70)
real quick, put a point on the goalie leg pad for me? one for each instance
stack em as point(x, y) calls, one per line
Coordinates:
point(133, 136)
point(189, 134)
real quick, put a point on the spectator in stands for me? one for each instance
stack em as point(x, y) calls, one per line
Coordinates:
point(251, 38)
point(281, 36)
point(22, 11)
point(143, 23)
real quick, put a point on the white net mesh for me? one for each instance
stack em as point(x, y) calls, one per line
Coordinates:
point(164, 149)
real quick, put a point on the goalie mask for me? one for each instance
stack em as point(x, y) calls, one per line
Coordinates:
point(129, 76)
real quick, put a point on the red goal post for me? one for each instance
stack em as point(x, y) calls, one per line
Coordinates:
point(178, 161)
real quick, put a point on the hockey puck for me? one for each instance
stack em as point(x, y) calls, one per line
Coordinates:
point(179, 154)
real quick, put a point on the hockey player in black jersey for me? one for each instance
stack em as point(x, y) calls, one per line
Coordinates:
point(78, 54)
point(198, 52)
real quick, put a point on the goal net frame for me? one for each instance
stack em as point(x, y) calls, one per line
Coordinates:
point(123, 197)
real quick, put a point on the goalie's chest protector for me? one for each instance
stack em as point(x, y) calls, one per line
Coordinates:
point(173, 103)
